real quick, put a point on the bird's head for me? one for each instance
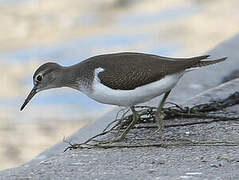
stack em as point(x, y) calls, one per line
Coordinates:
point(45, 77)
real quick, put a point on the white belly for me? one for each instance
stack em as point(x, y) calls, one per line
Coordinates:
point(106, 95)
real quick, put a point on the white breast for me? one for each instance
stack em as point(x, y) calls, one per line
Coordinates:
point(106, 95)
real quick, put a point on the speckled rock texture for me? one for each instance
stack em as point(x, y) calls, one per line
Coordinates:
point(173, 162)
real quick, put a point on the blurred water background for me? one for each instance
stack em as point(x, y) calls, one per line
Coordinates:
point(33, 32)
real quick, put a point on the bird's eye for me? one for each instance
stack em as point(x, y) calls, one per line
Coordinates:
point(39, 78)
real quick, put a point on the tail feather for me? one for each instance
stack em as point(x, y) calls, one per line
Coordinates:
point(200, 57)
point(206, 63)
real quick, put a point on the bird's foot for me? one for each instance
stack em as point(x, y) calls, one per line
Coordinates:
point(125, 132)
point(93, 142)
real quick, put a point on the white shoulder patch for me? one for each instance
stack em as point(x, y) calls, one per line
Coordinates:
point(97, 71)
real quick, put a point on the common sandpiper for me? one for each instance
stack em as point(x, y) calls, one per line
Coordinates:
point(123, 79)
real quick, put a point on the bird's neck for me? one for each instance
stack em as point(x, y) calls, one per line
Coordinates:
point(78, 77)
point(70, 77)
point(67, 77)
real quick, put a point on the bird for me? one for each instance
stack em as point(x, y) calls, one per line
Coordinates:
point(123, 79)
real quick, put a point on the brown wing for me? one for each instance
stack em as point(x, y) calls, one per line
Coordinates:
point(127, 71)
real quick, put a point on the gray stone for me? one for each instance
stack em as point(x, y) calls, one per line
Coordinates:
point(176, 162)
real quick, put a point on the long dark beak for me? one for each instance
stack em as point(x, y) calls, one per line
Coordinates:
point(29, 97)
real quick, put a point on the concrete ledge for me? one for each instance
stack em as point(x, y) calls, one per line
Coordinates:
point(152, 163)
point(203, 78)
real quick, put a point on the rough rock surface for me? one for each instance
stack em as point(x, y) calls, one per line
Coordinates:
point(173, 162)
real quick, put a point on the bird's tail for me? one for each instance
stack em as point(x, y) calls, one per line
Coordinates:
point(206, 63)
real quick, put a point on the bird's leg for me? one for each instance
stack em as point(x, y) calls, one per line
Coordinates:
point(121, 122)
point(159, 113)
point(131, 125)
